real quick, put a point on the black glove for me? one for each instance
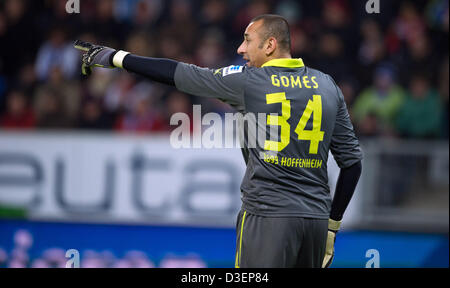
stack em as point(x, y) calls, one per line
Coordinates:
point(95, 56)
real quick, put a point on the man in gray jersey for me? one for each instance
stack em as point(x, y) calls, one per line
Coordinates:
point(288, 218)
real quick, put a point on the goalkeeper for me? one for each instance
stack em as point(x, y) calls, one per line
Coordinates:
point(288, 217)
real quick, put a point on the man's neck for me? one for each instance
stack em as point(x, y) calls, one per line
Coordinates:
point(280, 56)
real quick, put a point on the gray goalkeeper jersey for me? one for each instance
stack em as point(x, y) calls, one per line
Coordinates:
point(286, 176)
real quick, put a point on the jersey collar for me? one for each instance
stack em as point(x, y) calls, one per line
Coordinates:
point(285, 62)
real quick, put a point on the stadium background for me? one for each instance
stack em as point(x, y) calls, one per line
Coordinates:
point(87, 165)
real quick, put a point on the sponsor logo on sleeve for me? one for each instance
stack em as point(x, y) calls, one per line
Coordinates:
point(232, 70)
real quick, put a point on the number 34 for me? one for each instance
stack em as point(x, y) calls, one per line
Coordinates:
point(314, 136)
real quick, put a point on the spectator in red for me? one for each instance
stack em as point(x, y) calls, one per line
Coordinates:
point(92, 117)
point(18, 114)
point(141, 116)
point(177, 102)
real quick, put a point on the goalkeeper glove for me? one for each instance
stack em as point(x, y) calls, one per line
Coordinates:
point(333, 228)
point(95, 56)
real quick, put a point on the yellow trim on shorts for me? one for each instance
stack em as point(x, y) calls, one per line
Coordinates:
point(238, 259)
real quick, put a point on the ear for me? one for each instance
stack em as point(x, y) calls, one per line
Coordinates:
point(271, 46)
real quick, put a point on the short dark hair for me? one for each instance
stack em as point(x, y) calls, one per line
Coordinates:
point(275, 26)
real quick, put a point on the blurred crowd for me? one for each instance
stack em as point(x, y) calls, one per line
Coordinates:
point(393, 67)
point(23, 256)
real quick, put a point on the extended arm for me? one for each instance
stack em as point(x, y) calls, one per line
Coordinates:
point(157, 69)
point(226, 84)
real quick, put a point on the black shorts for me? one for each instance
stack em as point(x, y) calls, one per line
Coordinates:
point(279, 242)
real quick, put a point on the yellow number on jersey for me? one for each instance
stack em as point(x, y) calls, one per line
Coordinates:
point(279, 121)
point(314, 135)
